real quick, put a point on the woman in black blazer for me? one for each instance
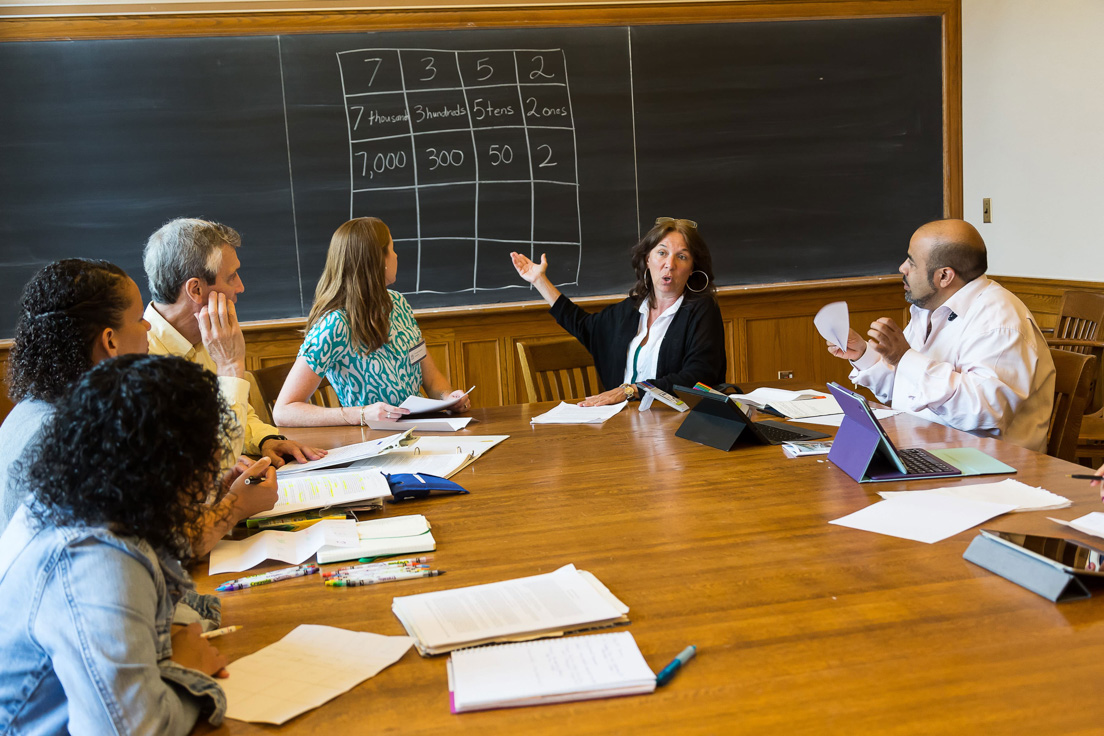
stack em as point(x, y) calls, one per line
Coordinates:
point(668, 331)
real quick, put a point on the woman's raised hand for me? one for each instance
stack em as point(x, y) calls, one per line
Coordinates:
point(528, 270)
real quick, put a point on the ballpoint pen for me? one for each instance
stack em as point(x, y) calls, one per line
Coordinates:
point(220, 632)
point(669, 671)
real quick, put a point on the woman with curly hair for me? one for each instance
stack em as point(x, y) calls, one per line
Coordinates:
point(362, 337)
point(90, 566)
point(76, 313)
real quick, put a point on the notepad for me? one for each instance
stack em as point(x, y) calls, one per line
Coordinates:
point(346, 454)
point(548, 671)
point(512, 610)
point(316, 490)
point(395, 535)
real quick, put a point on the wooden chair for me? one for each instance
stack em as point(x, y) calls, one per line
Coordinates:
point(265, 384)
point(1080, 316)
point(1073, 380)
point(560, 369)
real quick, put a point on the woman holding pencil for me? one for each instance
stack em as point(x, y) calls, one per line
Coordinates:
point(91, 566)
point(362, 337)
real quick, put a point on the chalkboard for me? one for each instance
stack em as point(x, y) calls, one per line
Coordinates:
point(805, 149)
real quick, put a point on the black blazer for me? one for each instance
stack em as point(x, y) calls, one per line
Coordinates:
point(692, 350)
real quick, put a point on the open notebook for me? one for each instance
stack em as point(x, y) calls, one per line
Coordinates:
point(539, 606)
point(547, 671)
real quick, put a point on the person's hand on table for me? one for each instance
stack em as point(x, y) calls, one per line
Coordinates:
point(249, 499)
point(887, 339)
point(222, 335)
point(606, 398)
point(191, 650)
point(856, 347)
point(277, 450)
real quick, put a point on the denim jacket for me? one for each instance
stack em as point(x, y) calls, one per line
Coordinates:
point(86, 635)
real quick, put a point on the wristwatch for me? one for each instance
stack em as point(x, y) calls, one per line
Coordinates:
point(271, 437)
point(630, 391)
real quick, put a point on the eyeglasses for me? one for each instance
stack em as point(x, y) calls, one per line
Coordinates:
point(675, 221)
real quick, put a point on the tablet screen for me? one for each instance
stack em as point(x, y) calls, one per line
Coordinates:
point(1067, 554)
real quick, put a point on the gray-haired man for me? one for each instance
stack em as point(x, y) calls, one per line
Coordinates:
point(192, 266)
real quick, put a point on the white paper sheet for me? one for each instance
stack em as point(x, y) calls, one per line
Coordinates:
point(807, 407)
point(436, 424)
point(834, 420)
point(1025, 497)
point(393, 535)
point(760, 397)
point(561, 599)
point(308, 667)
point(422, 405)
point(290, 547)
point(567, 413)
point(834, 323)
point(305, 491)
point(548, 671)
point(1091, 523)
point(924, 518)
point(348, 453)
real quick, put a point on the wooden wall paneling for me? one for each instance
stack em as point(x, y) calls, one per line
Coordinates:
point(482, 364)
point(732, 357)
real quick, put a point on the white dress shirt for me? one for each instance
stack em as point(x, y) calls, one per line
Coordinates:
point(983, 368)
point(164, 339)
point(647, 360)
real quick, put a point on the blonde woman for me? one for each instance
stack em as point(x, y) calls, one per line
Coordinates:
point(362, 337)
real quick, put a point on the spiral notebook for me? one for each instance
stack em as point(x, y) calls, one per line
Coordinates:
point(547, 671)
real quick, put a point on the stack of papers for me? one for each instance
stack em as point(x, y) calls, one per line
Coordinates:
point(567, 413)
point(512, 610)
point(550, 671)
point(812, 447)
point(1025, 497)
point(308, 667)
point(290, 547)
point(395, 535)
point(924, 517)
point(440, 456)
point(425, 424)
point(834, 420)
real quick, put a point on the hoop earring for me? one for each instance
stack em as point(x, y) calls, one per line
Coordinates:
point(698, 291)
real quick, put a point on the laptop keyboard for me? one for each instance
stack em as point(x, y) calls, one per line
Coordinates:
point(777, 434)
point(921, 462)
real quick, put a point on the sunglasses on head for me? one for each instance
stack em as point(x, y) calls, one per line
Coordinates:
point(674, 221)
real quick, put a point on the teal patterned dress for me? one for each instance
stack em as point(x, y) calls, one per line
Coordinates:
point(361, 378)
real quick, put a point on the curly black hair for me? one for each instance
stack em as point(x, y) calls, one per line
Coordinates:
point(136, 446)
point(66, 307)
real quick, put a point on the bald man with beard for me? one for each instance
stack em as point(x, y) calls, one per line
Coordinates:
point(971, 356)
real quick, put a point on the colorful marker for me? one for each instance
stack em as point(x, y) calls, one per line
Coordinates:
point(267, 577)
point(390, 564)
point(354, 582)
point(669, 671)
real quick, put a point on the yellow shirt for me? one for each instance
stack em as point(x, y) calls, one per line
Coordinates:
point(164, 339)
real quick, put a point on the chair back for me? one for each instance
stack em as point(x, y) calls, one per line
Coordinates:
point(265, 384)
point(1080, 316)
point(557, 370)
point(1073, 378)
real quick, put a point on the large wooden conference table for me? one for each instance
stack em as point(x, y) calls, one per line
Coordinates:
point(801, 626)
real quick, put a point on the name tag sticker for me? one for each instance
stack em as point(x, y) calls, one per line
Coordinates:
point(417, 353)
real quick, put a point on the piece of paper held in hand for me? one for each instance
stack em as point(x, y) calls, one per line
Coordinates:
point(834, 323)
point(290, 547)
point(308, 667)
point(421, 405)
